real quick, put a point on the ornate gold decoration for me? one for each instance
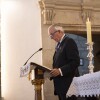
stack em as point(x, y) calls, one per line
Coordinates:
point(29, 75)
point(40, 72)
point(37, 83)
point(42, 4)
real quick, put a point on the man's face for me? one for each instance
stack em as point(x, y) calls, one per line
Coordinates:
point(54, 34)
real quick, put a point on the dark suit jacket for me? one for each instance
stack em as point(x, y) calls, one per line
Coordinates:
point(67, 59)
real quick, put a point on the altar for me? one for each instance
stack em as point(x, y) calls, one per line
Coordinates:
point(86, 85)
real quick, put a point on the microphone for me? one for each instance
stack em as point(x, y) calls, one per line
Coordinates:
point(32, 55)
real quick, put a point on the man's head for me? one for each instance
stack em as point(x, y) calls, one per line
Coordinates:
point(55, 32)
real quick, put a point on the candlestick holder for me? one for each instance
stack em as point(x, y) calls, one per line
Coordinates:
point(90, 56)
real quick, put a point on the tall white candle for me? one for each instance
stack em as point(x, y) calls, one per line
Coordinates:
point(88, 26)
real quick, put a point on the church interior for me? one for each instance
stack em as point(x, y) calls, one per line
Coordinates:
point(24, 29)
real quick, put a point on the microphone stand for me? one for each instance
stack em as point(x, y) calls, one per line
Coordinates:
point(32, 55)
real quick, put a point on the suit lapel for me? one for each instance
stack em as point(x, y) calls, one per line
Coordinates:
point(56, 54)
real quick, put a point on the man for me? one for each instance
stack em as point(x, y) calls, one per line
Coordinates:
point(65, 62)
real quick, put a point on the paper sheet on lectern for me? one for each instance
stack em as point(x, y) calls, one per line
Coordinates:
point(24, 70)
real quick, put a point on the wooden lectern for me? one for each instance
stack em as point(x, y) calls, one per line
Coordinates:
point(38, 80)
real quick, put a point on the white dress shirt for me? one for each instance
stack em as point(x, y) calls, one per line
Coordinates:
point(60, 42)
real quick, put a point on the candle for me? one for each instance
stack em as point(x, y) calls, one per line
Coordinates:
point(88, 26)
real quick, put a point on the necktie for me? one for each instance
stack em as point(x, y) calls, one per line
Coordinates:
point(57, 47)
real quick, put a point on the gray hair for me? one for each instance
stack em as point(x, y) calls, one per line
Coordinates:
point(56, 28)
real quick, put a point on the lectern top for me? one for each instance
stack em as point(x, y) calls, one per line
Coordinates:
point(42, 67)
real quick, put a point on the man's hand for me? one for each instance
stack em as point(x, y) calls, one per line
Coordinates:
point(55, 72)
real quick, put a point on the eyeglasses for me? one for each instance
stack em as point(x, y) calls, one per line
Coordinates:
point(52, 34)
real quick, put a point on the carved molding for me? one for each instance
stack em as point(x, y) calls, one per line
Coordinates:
point(71, 13)
point(48, 15)
point(42, 5)
point(47, 11)
point(86, 12)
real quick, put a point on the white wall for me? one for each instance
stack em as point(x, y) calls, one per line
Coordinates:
point(21, 37)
